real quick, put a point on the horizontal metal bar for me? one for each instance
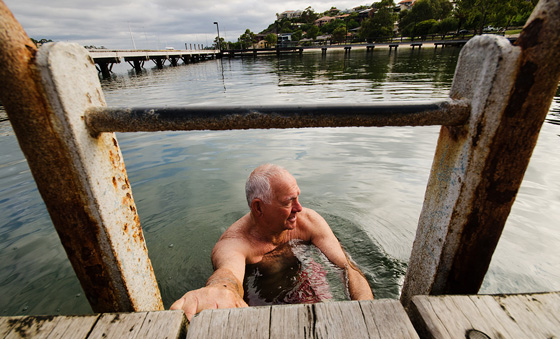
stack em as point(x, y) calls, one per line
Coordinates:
point(109, 119)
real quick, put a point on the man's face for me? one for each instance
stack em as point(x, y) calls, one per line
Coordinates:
point(281, 213)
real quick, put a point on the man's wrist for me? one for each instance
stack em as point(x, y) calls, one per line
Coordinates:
point(224, 282)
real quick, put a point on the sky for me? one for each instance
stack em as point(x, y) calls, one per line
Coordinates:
point(153, 24)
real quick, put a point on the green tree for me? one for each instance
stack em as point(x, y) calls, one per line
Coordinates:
point(446, 25)
point(461, 15)
point(332, 12)
point(247, 39)
point(296, 36)
point(421, 11)
point(479, 11)
point(441, 9)
point(331, 26)
point(383, 4)
point(312, 32)
point(271, 39)
point(380, 25)
point(42, 41)
point(513, 11)
point(352, 24)
point(221, 44)
point(339, 34)
point(309, 16)
point(425, 27)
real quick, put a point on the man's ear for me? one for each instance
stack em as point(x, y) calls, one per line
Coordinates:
point(256, 207)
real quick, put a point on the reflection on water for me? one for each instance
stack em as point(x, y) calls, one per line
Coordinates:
point(368, 183)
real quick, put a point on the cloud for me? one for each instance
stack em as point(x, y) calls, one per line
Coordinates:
point(153, 23)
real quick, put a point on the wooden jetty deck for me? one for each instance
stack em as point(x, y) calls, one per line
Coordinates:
point(499, 316)
point(147, 54)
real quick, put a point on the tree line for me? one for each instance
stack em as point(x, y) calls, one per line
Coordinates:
point(423, 18)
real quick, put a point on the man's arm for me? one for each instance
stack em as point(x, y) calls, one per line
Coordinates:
point(224, 288)
point(323, 237)
point(357, 283)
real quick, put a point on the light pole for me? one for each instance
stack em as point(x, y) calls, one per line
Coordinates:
point(218, 28)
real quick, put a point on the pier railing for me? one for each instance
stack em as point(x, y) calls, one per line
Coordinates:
point(499, 99)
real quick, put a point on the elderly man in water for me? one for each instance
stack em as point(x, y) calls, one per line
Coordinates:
point(260, 237)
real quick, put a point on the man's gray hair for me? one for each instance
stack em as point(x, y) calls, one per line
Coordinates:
point(258, 183)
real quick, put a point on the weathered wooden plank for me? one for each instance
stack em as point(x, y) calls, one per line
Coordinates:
point(339, 320)
point(536, 314)
point(210, 324)
point(292, 321)
point(516, 316)
point(31, 327)
point(550, 302)
point(478, 168)
point(46, 93)
point(251, 322)
point(6, 324)
point(350, 319)
point(73, 326)
point(199, 326)
point(218, 324)
point(164, 324)
point(387, 319)
point(4, 328)
point(118, 325)
point(424, 318)
point(496, 320)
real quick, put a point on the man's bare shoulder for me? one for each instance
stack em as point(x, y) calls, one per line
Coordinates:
point(238, 230)
point(310, 222)
point(309, 217)
point(232, 241)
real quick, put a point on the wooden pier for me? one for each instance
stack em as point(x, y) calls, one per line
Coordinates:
point(347, 48)
point(477, 316)
point(105, 59)
point(262, 51)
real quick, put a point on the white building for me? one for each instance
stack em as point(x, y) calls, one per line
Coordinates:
point(406, 4)
point(290, 14)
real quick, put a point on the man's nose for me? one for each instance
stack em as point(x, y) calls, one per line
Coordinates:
point(297, 206)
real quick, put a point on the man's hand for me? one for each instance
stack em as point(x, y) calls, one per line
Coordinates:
point(209, 297)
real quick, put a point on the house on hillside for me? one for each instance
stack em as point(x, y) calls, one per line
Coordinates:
point(406, 4)
point(342, 17)
point(260, 40)
point(285, 40)
point(323, 21)
point(366, 13)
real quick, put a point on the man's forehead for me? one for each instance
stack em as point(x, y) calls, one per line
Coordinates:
point(285, 185)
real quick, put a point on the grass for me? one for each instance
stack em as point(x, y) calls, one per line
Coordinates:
point(513, 31)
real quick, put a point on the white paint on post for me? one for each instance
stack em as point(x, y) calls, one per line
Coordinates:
point(72, 86)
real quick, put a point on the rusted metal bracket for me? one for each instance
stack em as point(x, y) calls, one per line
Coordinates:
point(444, 112)
point(478, 167)
point(82, 179)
